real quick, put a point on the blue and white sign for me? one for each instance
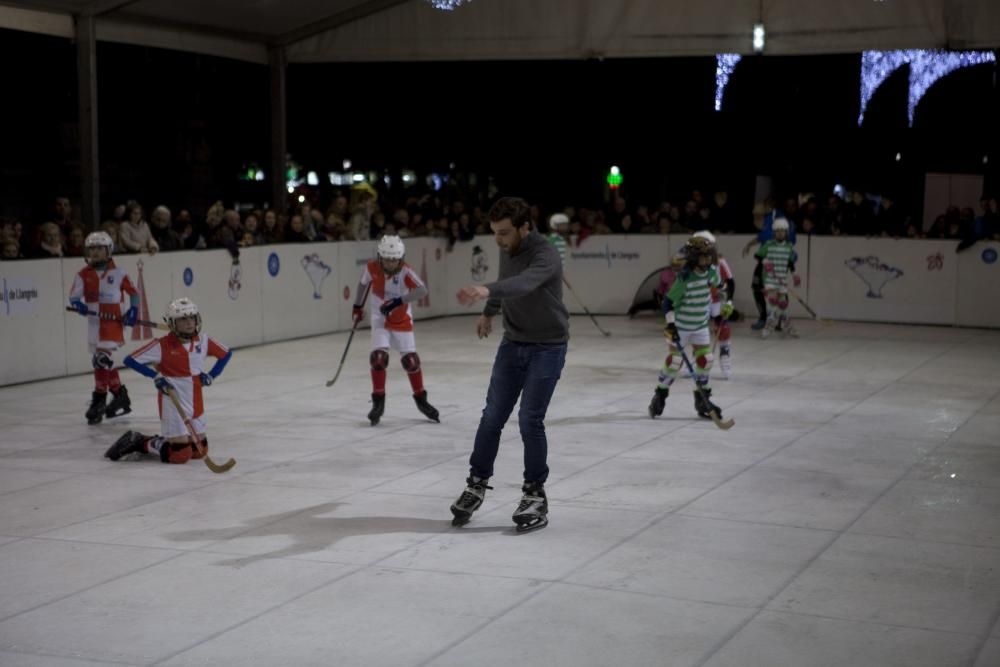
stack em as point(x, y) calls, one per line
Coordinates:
point(188, 276)
point(989, 256)
point(273, 264)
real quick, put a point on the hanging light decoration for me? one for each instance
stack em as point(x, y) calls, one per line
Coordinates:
point(926, 67)
point(446, 5)
point(725, 63)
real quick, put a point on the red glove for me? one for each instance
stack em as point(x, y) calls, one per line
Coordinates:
point(358, 314)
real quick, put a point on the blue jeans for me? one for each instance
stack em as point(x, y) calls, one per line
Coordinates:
point(530, 370)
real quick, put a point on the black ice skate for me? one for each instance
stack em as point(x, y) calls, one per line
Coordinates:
point(131, 442)
point(120, 404)
point(532, 512)
point(378, 407)
point(429, 410)
point(659, 400)
point(470, 500)
point(704, 405)
point(95, 413)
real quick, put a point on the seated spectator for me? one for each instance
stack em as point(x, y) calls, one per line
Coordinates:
point(50, 243)
point(74, 241)
point(296, 230)
point(163, 233)
point(110, 227)
point(272, 232)
point(252, 226)
point(135, 234)
point(9, 249)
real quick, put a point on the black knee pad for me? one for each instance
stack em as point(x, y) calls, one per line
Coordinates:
point(411, 362)
point(102, 361)
point(379, 360)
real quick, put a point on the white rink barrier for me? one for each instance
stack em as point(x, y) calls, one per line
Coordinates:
point(287, 291)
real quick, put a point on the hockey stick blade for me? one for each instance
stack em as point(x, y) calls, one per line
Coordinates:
point(196, 441)
point(725, 425)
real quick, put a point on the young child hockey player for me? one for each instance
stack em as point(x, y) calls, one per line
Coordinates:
point(778, 258)
point(687, 307)
point(175, 363)
point(394, 285)
point(724, 332)
point(97, 293)
point(558, 232)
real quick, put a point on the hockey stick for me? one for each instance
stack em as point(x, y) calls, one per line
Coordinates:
point(806, 306)
point(195, 440)
point(580, 301)
point(110, 317)
point(724, 425)
point(329, 383)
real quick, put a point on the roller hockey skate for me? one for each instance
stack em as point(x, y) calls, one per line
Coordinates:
point(95, 413)
point(378, 408)
point(659, 400)
point(470, 500)
point(726, 364)
point(703, 404)
point(132, 442)
point(120, 403)
point(786, 329)
point(429, 410)
point(532, 512)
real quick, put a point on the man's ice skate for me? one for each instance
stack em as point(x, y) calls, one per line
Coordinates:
point(532, 512)
point(378, 408)
point(120, 403)
point(429, 410)
point(758, 325)
point(659, 400)
point(704, 406)
point(95, 413)
point(132, 442)
point(470, 500)
point(726, 364)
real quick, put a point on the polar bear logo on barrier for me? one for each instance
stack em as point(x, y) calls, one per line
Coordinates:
point(317, 270)
point(874, 272)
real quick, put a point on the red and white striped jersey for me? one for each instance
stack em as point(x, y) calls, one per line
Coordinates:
point(181, 362)
point(386, 288)
point(103, 292)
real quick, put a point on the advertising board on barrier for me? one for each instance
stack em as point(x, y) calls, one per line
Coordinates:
point(20, 296)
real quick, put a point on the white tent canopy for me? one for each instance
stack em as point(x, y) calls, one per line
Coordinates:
point(403, 30)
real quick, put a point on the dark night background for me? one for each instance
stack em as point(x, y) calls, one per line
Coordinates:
point(177, 128)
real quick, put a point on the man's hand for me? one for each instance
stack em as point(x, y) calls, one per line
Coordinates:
point(130, 316)
point(470, 294)
point(80, 307)
point(484, 326)
point(357, 314)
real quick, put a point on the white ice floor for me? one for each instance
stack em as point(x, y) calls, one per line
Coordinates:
point(851, 517)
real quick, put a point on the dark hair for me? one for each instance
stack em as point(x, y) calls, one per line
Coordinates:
point(514, 208)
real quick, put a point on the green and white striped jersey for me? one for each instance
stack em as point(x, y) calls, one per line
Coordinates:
point(559, 243)
point(691, 298)
point(777, 256)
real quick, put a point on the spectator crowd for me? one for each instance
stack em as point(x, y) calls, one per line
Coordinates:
point(360, 213)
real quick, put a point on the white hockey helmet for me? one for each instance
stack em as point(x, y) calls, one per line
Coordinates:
point(391, 247)
point(179, 309)
point(705, 234)
point(99, 240)
point(558, 219)
point(779, 224)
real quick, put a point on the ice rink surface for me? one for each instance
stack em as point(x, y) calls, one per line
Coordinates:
point(851, 517)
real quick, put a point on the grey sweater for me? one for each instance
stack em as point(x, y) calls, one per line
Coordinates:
point(529, 293)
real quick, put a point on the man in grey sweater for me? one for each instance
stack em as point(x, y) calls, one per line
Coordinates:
point(528, 362)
